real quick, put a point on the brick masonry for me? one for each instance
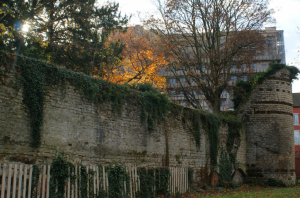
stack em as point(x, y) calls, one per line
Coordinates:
point(269, 130)
point(95, 134)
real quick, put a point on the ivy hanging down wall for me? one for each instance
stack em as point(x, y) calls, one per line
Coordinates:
point(38, 77)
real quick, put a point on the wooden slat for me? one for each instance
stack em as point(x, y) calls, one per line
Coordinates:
point(98, 184)
point(43, 181)
point(14, 188)
point(130, 176)
point(25, 181)
point(72, 189)
point(104, 180)
point(9, 181)
point(94, 179)
point(20, 180)
point(48, 181)
point(3, 180)
point(69, 188)
point(30, 179)
point(76, 182)
point(38, 192)
point(88, 181)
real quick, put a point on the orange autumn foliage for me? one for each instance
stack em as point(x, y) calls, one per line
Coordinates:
point(142, 59)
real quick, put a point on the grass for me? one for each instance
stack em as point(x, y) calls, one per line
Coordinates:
point(272, 192)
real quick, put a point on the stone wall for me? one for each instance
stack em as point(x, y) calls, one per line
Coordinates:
point(269, 130)
point(95, 134)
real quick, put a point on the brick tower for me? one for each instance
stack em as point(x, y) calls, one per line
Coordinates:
point(269, 130)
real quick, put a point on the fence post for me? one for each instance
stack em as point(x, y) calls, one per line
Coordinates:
point(30, 179)
point(25, 181)
point(20, 180)
point(3, 180)
point(8, 181)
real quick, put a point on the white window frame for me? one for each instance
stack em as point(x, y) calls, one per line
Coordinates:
point(296, 118)
point(296, 137)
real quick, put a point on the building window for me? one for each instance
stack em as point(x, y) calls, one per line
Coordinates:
point(264, 65)
point(270, 53)
point(173, 80)
point(203, 67)
point(243, 66)
point(297, 137)
point(269, 42)
point(194, 92)
point(223, 103)
point(163, 70)
point(233, 78)
point(243, 78)
point(233, 66)
point(183, 104)
point(254, 66)
point(296, 118)
point(182, 80)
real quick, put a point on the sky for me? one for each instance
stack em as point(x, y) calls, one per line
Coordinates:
point(287, 15)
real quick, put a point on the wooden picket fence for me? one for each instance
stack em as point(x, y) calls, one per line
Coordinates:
point(17, 181)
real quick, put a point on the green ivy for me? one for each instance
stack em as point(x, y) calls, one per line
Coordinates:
point(35, 180)
point(190, 177)
point(212, 124)
point(162, 176)
point(61, 170)
point(225, 167)
point(38, 76)
point(243, 89)
point(147, 182)
point(194, 117)
point(117, 178)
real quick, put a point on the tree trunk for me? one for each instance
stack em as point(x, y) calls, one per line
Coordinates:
point(216, 105)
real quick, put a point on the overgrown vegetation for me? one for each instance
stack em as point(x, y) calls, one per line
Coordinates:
point(243, 89)
point(153, 182)
point(38, 77)
point(61, 170)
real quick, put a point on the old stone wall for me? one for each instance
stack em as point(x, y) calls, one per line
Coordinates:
point(269, 130)
point(95, 134)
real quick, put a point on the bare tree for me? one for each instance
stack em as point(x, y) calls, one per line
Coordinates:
point(209, 40)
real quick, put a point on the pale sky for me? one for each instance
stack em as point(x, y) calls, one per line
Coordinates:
point(287, 18)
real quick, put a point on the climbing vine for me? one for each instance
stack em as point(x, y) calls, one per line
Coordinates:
point(225, 167)
point(212, 124)
point(194, 117)
point(243, 89)
point(61, 170)
point(35, 180)
point(153, 182)
point(37, 77)
point(117, 178)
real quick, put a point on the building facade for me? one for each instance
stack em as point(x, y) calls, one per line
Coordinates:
point(296, 114)
point(276, 51)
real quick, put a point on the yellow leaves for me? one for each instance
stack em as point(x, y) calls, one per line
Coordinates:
point(45, 44)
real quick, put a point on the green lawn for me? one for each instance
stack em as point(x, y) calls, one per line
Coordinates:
point(277, 192)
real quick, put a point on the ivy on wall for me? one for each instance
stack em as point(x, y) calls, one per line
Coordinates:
point(153, 182)
point(38, 76)
point(243, 89)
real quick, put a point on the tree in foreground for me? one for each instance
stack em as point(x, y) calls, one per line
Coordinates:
point(207, 38)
